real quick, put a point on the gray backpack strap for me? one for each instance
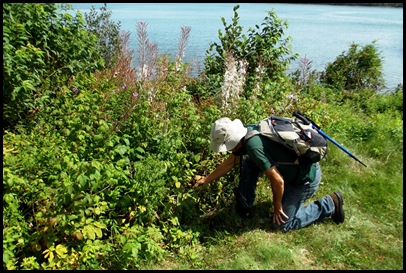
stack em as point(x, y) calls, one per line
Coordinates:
point(296, 162)
point(251, 134)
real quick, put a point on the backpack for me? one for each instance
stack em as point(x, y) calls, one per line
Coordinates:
point(308, 144)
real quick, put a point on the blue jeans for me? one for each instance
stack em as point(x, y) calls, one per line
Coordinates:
point(293, 198)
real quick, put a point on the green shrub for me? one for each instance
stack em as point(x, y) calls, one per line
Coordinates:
point(43, 49)
point(107, 33)
point(265, 50)
point(355, 70)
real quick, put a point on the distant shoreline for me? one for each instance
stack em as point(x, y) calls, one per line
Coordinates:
point(380, 5)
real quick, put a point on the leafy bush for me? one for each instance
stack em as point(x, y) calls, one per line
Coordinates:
point(264, 54)
point(355, 70)
point(107, 33)
point(386, 102)
point(43, 49)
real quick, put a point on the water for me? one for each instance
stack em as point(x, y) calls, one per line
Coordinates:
point(319, 32)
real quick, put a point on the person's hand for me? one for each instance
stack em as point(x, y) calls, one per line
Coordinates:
point(279, 216)
point(199, 181)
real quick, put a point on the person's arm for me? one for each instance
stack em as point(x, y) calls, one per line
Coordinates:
point(220, 171)
point(278, 186)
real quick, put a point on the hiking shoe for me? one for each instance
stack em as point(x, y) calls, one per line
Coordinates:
point(338, 216)
point(244, 212)
point(242, 209)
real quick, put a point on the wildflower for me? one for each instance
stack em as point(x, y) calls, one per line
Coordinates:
point(124, 87)
point(234, 80)
point(75, 89)
point(292, 96)
point(135, 95)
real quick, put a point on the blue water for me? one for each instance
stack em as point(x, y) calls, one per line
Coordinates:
point(319, 32)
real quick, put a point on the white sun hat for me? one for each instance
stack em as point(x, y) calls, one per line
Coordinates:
point(225, 134)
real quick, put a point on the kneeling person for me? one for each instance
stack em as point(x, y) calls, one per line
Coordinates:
point(292, 184)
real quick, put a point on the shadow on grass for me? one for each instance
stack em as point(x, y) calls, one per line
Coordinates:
point(226, 221)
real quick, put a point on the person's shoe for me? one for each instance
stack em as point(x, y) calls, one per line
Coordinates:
point(243, 212)
point(242, 209)
point(338, 216)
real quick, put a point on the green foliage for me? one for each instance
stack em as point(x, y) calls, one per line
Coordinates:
point(264, 48)
point(107, 33)
point(101, 178)
point(43, 48)
point(95, 182)
point(386, 103)
point(387, 117)
point(304, 78)
point(357, 69)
